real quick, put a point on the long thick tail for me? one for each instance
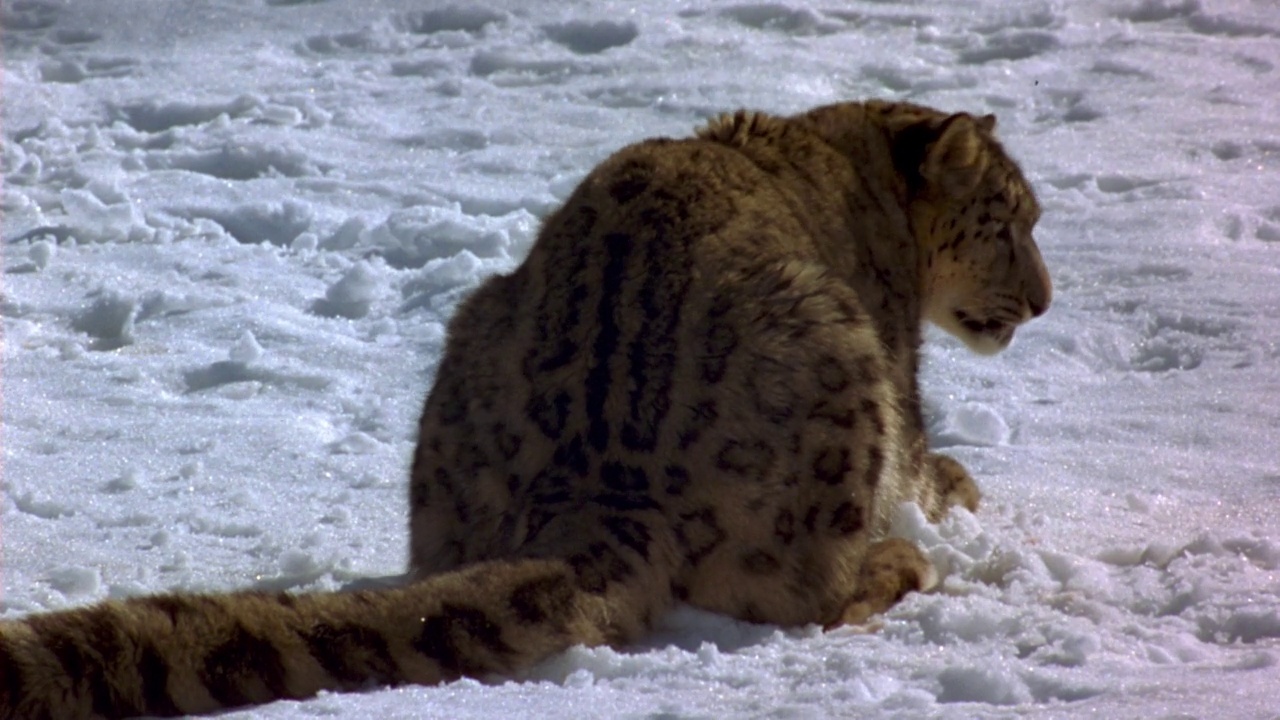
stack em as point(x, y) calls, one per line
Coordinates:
point(184, 654)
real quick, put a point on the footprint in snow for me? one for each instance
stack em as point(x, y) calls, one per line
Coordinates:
point(781, 18)
point(236, 161)
point(455, 18)
point(586, 38)
point(154, 116)
point(31, 15)
point(72, 70)
point(76, 36)
point(1011, 45)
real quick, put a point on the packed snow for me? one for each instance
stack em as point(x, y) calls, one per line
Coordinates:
point(234, 230)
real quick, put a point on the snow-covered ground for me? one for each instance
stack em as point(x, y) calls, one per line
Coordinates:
point(233, 230)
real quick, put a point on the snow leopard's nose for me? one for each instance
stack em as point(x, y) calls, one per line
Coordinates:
point(1037, 307)
point(1037, 289)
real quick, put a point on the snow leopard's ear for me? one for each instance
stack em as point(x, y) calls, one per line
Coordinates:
point(956, 153)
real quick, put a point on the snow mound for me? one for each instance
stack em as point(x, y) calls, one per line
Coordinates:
point(351, 296)
point(973, 423)
point(108, 317)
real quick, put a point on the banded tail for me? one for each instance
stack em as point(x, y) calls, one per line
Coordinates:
point(186, 654)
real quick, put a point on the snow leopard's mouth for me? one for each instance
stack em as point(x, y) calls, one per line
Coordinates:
point(989, 326)
point(988, 335)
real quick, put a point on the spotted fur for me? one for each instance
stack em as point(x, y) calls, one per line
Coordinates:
point(699, 387)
